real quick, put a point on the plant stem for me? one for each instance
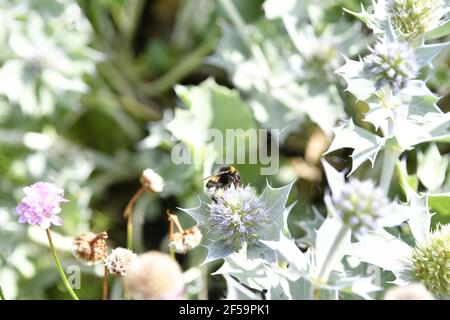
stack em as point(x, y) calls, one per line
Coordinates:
point(59, 267)
point(327, 266)
point(105, 284)
point(172, 253)
point(2, 295)
point(239, 23)
point(389, 162)
point(129, 216)
point(391, 155)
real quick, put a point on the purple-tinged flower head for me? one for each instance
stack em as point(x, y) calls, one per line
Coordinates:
point(238, 216)
point(41, 205)
point(391, 63)
point(360, 205)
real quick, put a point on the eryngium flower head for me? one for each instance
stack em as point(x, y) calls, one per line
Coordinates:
point(238, 216)
point(155, 275)
point(184, 241)
point(90, 248)
point(41, 205)
point(152, 181)
point(119, 261)
point(359, 205)
point(431, 262)
point(415, 17)
point(415, 291)
point(391, 63)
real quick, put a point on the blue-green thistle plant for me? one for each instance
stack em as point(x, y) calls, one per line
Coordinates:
point(241, 219)
point(427, 261)
point(391, 64)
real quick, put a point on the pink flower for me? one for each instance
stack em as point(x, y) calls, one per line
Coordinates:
point(41, 205)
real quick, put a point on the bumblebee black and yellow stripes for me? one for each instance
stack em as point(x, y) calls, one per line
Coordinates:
point(222, 180)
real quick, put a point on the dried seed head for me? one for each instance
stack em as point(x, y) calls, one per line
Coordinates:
point(90, 248)
point(152, 181)
point(431, 262)
point(155, 275)
point(182, 242)
point(415, 291)
point(119, 261)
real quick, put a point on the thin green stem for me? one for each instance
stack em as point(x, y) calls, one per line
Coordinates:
point(59, 267)
point(389, 162)
point(391, 155)
point(2, 295)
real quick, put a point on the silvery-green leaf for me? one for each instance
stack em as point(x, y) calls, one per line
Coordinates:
point(408, 183)
point(310, 227)
point(200, 213)
point(365, 144)
point(335, 179)
point(357, 85)
point(420, 219)
point(427, 52)
point(374, 20)
point(381, 249)
point(218, 249)
point(325, 247)
point(236, 291)
point(363, 286)
point(249, 272)
point(288, 252)
point(431, 127)
point(393, 214)
point(432, 167)
point(274, 200)
point(441, 31)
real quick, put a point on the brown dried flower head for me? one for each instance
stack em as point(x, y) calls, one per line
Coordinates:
point(90, 248)
point(184, 241)
point(155, 275)
point(119, 261)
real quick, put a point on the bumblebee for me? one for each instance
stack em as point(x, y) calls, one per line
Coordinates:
point(222, 180)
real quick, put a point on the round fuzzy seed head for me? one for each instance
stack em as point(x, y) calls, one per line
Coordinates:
point(119, 261)
point(431, 262)
point(359, 204)
point(238, 216)
point(392, 64)
point(152, 181)
point(90, 248)
point(415, 291)
point(155, 275)
point(415, 17)
point(182, 242)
